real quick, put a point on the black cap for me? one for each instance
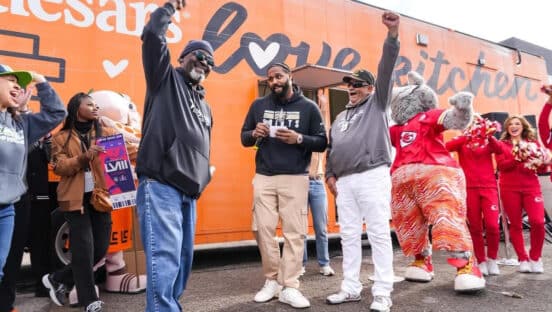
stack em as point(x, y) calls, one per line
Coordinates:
point(362, 75)
point(197, 45)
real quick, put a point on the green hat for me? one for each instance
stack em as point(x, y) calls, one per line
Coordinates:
point(23, 77)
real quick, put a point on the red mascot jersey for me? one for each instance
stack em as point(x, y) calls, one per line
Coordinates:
point(420, 141)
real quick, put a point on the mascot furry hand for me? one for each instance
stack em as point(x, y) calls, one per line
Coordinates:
point(428, 187)
point(119, 112)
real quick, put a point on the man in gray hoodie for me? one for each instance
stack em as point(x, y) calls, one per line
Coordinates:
point(357, 173)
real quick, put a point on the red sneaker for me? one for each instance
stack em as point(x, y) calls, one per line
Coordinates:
point(421, 270)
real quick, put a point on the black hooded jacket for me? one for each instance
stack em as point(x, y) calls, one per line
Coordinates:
point(176, 131)
point(299, 114)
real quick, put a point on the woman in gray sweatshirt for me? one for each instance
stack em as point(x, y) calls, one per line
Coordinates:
point(17, 133)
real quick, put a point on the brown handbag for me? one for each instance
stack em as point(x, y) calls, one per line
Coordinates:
point(100, 200)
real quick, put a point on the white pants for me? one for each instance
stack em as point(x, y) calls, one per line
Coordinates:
point(365, 198)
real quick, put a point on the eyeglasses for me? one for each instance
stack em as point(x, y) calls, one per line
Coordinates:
point(357, 84)
point(202, 57)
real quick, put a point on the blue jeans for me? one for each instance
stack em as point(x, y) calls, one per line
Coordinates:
point(318, 203)
point(167, 224)
point(7, 217)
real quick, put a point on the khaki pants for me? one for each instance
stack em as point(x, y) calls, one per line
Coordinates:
point(281, 197)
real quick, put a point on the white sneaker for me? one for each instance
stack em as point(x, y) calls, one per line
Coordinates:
point(294, 298)
point(524, 267)
point(327, 270)
point(492, 267)
point(381, 303)
point(73, 297)
point(537, 266)
point(483, 267)
point(342, 297)
point(270, 290)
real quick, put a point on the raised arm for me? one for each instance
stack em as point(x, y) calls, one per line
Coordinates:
point(52, 112)
point(544, 125)
point(156, 58)
point(391, 46)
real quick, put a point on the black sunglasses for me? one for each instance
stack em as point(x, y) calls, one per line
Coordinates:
point(357, 84)
point(202, 57)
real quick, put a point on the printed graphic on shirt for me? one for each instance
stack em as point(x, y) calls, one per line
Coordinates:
point(282, 118)
point(407, 138)
point(344, 123)
point(10, 135)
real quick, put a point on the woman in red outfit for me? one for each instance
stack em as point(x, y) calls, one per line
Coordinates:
point(482, 194)
point(520, 189)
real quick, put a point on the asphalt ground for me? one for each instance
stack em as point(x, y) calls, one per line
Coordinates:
point(227, 280)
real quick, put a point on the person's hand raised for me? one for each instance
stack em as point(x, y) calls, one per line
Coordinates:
point(391, 20)
point(178, 4)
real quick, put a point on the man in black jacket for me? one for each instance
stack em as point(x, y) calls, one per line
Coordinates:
point(286, 128)
point(173, 158)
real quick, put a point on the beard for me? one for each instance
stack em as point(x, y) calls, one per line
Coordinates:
point(196, 76)
point(282, 93)
point(189, 70)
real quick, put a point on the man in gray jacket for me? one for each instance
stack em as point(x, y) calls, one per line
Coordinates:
point(357, 173)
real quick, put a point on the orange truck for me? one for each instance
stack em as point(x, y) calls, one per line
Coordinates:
point(81, 45)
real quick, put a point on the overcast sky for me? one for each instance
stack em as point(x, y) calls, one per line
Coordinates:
point(495, 20)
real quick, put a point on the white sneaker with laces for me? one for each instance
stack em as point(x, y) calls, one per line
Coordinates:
point(483, 267)
point(270, 290)
point(381, 303)
point(96, 306)
point(492, 267)
point(342, 297)
point(294, 298)
point(73, 297)
point(327, 270)
point(537, 266)
point(524, 267)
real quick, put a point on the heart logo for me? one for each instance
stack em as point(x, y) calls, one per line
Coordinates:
point(113, 70)
point(263, 57)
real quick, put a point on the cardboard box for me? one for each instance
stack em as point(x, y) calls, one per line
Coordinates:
point(131, 259)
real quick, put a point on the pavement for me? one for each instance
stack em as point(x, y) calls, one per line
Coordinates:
point(227, 280)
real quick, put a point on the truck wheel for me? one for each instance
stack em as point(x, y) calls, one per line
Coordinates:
point(60, 229)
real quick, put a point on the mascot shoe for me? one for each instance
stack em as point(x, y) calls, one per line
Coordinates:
point(421, 270)
point(468, 276)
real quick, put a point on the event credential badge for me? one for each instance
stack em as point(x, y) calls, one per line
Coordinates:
point(117, 171)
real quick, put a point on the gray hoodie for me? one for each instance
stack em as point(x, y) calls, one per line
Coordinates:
point(17, 136)
point(359, 137)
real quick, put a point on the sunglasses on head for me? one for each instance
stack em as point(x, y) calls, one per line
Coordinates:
point(202, 57)
point(357, 84)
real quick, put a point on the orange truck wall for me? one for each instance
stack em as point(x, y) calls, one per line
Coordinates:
point(81, 45)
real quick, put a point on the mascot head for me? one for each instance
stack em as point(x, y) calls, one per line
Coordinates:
point(117, 107)
point(412, 99)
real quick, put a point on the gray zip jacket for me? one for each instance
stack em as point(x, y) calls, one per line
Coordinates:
point(17, 136)
point(359, 136)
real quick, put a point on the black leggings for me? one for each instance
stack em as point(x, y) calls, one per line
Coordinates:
point(89, 235)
